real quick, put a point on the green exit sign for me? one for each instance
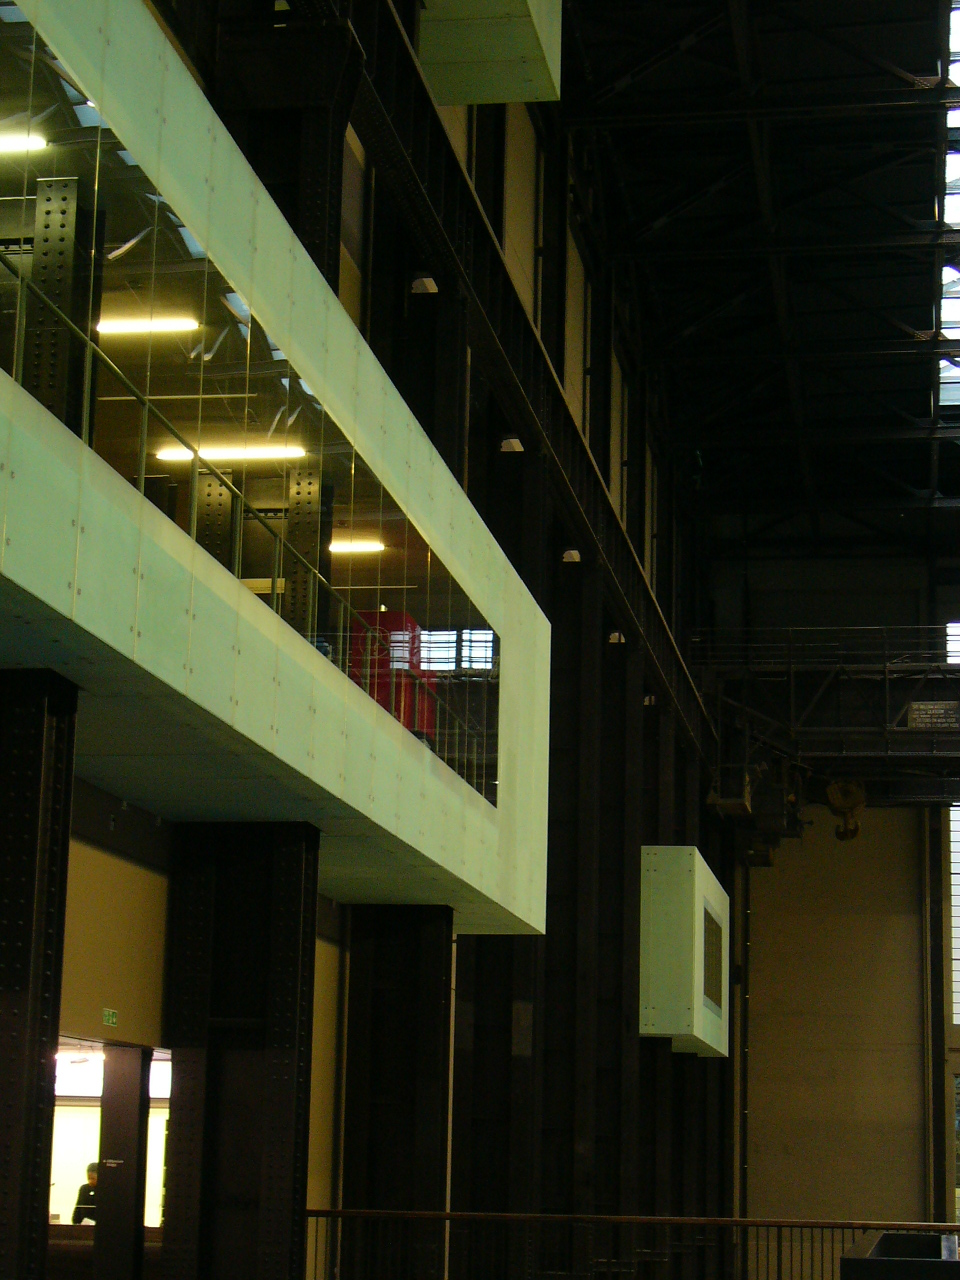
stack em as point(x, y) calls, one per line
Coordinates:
point(109, 1017)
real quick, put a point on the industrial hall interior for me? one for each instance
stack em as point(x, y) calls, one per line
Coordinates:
point(479, 639)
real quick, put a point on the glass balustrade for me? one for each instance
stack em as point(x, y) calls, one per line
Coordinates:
point(113, 315)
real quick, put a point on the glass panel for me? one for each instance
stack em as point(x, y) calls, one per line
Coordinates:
point(129, 210)
point(480, 648)
point(337, 627)
point(17, 212)
point(138, 343)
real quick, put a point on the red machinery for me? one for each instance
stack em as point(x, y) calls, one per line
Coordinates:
point(385, 661)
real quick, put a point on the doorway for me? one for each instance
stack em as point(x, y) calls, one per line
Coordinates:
point(108, 1160)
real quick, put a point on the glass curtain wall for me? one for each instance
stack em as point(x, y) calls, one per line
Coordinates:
point(113, 315)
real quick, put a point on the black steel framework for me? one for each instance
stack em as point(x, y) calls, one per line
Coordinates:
point(395, 116)
point(770, 177)
point(879, 703)
point(238, 1017)
point(37, 723)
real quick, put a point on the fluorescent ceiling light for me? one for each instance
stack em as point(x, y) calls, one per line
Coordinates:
point(233, 452)
point(152, 324)
point(17, 143)
point(357, 547)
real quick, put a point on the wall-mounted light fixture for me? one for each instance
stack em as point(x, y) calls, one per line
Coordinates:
point(423, 284)
point(511, 444)
point(571, 556)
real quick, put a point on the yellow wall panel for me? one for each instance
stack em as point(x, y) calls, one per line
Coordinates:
point(113, 948)
point(616, 436)
point(836, 1075)
point(520, 203)
point(574, 332)
point(323, 1076)
point(323, 1097)
point(351, 286)
point(456, 121)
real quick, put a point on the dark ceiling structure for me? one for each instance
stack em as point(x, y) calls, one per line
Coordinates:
point(772, 180)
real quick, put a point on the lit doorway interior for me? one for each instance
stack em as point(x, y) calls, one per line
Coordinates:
point(76, 1128)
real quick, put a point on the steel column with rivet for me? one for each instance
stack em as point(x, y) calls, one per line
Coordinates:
point(37, 725)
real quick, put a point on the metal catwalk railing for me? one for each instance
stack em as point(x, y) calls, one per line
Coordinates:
point(870, 696)
point(368, 1245)
point(779, 648)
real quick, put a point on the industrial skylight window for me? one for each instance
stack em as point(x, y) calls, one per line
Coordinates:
point(477, 650)
point(438, 650)
point(951, 205)
point(468, 650)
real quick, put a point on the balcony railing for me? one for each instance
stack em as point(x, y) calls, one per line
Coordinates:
point(780, 648)
point(367, 1245)
point(454, 714)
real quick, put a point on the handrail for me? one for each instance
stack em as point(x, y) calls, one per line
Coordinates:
point(148, 408)
point(439, 1215)
point(891, 647)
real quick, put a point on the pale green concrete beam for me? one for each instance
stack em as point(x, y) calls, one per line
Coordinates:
point(198, 703)
point(476, 51)
point(420, 815)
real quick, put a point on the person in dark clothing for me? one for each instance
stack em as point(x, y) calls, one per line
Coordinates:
point(86, 1207)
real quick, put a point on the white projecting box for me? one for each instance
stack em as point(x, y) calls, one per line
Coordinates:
point(684, 951)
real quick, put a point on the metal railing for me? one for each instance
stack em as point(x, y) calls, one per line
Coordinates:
point(463, 747)
point(369, 1245)
point(784, 647)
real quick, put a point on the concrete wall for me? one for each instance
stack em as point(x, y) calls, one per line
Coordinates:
point(491, 50)
point(127, 66)
point(113, 948)
point(836, 1073)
